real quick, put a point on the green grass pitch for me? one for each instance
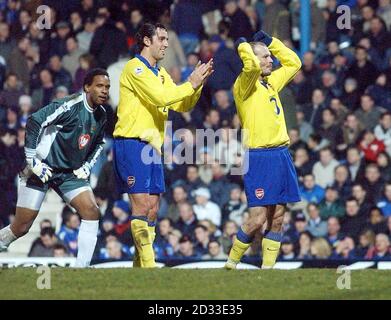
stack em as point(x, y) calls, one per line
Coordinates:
point(179, 284)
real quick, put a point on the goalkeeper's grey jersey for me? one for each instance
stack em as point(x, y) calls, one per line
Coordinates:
point(66, 133)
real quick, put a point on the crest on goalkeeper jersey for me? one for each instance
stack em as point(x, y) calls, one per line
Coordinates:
point(259, 193)
point(83, 140)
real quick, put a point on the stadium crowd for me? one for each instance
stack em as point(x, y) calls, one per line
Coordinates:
point(337, 108)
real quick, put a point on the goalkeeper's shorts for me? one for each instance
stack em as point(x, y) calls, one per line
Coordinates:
point(32, 190)
point(271, 177)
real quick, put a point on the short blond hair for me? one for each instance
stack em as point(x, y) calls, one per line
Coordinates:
point(320, 248)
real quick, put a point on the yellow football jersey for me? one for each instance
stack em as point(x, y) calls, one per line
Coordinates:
point(258, 104)
point(146, 95)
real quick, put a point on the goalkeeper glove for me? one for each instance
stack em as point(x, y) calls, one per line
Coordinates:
point(40, 169)
point(239, 41)
point(83, 172)
point(262, 36)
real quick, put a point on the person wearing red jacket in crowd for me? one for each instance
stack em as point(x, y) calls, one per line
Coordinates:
point(370, 146)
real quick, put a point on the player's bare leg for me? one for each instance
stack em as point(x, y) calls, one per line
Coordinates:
point(144, 212)
point(22, 223)
point(246, 235)
point(272, 238)
point(86, 205)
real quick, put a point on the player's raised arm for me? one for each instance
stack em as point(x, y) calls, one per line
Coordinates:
point(202, 72)
point(251, 71)
point(158, 95)
point(290, 62)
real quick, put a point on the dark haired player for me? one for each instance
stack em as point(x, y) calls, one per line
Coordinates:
point(63, 142)
point(147, 92)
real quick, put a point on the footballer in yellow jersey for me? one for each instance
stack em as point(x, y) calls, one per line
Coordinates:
point(271, 180)
point(147, 92)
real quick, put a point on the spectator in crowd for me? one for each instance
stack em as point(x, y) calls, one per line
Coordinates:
point(353, 223)
point(373, 182)
point(202, 239)
point(344, 250)
point(85, 64)
point(384, 164)
point(43, 95)
point(215, 251)
point(234, 208)
point(365, 242)
point(323, 170)
point(204, 208)
point(193, 180)
point(295, 141)
point(316, 226)
point(333, 231)
point(304, 246)
point(9, 96)
point(376, 221)
point(44, 245)
point(108, 32)
point(187, 219)
point(355, 163)
point(121, 213)
point(220, 185)
point(303, 164)
point(187, 23)
point(186, 249)
point(60, 251)
point(313, 111)
point(300, 225)
point(304, 127)
point(173, 239)
point(351, 95)
point(329, 129)
point(115, 251)
point(179, 196)
point(239, 22)
point(370, 146)
point(385, 203)
point(381, 250)
point(320, 249)
point(342, 182)
point(368, 114)
point(310, 191)
point(230, 230)
point(174, 56)
point(69, 232)
point(276, 20)
point(25, 107)
point(162, 247)
point(362, 69)
point(331, 205)
point(383, 131)
point(227, 65)
point(287, 249)
point(70, 61)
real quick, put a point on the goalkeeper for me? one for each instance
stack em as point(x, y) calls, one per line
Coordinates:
point(63, 142)
point(271, 180)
